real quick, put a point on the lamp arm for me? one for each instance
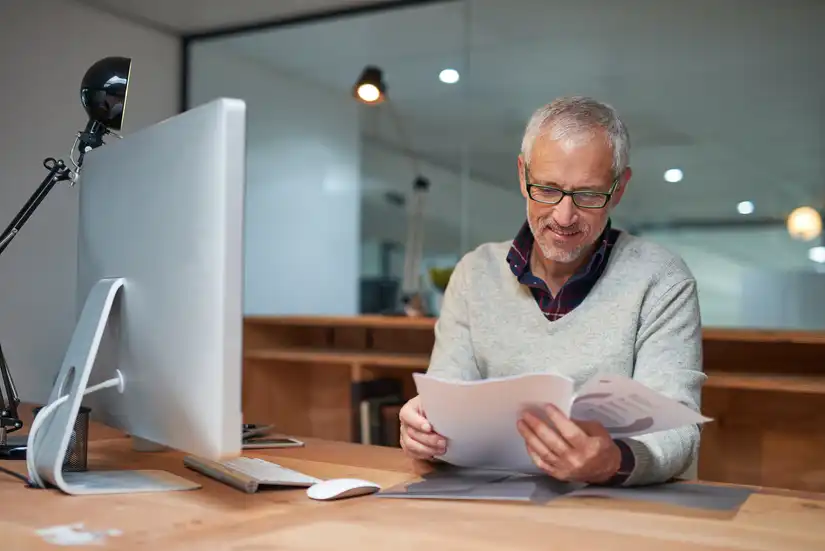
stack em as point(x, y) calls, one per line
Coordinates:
point(58, 172)
point(9, 399)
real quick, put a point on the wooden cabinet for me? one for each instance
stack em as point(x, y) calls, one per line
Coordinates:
point(313, 376)
point(766, 394)
point(319, 376)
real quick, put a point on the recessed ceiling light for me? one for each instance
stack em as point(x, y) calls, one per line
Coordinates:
point(673, 175)
point(449, 76)
point(817, 254)
point(745, 207)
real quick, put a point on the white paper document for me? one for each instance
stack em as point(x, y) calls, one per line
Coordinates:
point(478, 418)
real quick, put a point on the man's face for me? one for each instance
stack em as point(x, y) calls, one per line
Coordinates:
point(565, 231)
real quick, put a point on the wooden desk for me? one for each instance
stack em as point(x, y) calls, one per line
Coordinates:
point(218, 517)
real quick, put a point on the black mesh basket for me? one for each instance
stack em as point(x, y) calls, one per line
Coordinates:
point(75, 460)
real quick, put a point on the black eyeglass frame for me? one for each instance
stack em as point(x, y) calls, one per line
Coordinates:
point(573, 194)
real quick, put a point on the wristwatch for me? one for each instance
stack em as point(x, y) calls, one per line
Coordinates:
point(626, 466)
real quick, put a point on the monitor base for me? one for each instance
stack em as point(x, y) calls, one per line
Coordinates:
point(48, 445)
point(126, 482)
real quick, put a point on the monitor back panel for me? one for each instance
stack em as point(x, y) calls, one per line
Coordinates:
point(163, 208)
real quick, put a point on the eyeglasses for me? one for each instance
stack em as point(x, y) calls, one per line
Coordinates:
point(583, 199)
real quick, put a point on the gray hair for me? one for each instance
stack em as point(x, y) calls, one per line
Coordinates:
point(578, 117)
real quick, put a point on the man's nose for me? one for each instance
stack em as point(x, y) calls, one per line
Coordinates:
point(565, 212)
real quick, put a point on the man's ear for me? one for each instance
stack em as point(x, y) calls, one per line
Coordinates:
point(522, 183)
point(625, 178)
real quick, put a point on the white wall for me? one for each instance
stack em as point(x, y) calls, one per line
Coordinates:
point(45, 47)
point(303, 185)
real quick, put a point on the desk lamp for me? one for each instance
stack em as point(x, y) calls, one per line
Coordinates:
point(103, 95)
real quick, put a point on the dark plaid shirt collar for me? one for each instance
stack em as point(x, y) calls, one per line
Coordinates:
point(577, 287)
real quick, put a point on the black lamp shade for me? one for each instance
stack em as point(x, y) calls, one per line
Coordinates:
point(103, 91)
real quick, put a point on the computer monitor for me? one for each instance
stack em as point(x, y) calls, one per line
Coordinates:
point(160, 266)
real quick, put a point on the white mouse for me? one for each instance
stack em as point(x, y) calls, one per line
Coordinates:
point(339, 488)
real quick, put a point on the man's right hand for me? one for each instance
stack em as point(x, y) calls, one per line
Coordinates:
point(418, 439)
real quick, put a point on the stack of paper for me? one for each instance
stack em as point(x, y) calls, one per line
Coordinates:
point(478, 418)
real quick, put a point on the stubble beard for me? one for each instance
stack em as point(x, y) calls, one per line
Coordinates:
point(548, 249)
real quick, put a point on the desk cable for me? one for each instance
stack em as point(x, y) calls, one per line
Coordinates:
point(14, 474)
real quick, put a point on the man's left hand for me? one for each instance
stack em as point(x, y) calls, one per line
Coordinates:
point(580, 451)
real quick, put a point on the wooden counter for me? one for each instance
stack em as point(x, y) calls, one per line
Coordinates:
point(765, 389)
point(310, 375)
point(218, 517)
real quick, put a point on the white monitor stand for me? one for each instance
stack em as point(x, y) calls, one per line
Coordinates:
point(52, 431)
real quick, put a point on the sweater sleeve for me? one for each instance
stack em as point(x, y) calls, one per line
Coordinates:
point(669, 360)
point(452, 356)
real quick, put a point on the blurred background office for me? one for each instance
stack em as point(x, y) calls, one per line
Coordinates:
point(723, 100)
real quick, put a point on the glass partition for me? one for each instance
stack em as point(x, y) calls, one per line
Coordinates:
point(723, 101)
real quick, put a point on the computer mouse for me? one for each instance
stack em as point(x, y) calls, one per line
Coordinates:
point(340, 488)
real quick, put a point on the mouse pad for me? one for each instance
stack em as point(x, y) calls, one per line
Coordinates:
point(685, 494)
point(449, 482)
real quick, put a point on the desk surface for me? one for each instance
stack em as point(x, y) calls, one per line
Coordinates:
point(220, 517)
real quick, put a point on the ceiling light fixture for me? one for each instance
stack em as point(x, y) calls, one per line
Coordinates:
point(745, 207)
point(370, 87)
point(817, 254)
point(673, 175)
point(448, 76)
point(804, 223)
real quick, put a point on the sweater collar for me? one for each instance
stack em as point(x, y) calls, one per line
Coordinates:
point(518, 256)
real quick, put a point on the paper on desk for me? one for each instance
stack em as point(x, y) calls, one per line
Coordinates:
point(478, 418)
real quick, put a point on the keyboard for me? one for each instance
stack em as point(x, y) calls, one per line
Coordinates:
point(266, 472)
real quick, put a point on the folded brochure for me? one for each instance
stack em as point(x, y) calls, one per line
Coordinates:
point(478, 418)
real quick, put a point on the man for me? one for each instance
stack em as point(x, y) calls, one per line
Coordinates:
point(574, 296)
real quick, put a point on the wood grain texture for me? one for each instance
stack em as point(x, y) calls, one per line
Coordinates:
point(794, 384)
point(369, 321)
point(766, 393)
point(347, 357)
point(218, 517)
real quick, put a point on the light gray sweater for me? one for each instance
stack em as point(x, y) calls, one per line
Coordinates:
point(641, 319)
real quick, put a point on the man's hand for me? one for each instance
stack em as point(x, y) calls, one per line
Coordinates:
point(418, 439)
point(580, 451)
